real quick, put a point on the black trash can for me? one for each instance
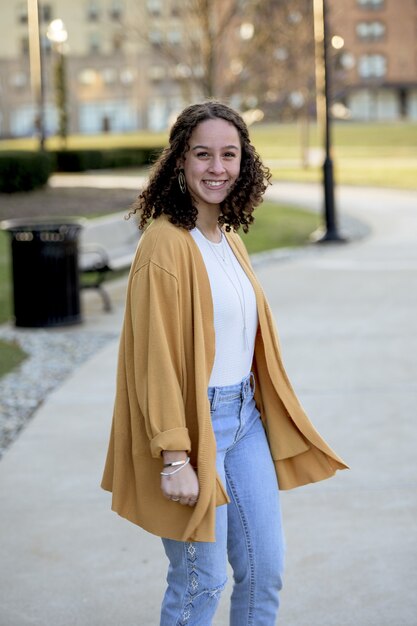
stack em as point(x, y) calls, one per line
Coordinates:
point(45, 271)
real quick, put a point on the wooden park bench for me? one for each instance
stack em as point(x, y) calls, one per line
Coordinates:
point(107, 244)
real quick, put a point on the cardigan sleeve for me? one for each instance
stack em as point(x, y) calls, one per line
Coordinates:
point(158, 357)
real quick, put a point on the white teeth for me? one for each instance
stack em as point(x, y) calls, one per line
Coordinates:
point(214, 183)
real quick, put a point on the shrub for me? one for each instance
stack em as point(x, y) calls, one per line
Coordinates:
point(81, 160)
point(78, 160)
point(130, 157)
point(24, 171)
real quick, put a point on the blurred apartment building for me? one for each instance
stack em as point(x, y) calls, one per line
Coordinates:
point(115, 77)
point(118, 80)
point(376, 67)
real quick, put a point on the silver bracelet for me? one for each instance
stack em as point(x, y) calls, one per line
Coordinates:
point(174, 463)
point(177, 470)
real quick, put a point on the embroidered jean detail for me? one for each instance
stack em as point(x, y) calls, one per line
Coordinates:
point(194, 591)
point(249, 547)
point(192, 568)
point(193, 583)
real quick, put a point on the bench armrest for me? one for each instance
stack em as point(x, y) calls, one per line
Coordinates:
point(93, 257)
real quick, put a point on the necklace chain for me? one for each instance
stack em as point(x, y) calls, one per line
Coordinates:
point(215, 245)
point(242, 301)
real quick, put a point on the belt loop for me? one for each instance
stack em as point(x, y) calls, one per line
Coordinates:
point(246, 386)
point(215, 399)
point(243, 389)
point(252, 379)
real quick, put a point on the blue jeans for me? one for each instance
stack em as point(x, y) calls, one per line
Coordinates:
point(248, 530)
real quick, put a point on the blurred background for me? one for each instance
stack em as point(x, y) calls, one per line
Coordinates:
point(114, 73)
point(133, 65)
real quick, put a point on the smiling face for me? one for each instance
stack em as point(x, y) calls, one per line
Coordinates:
point(212, 163)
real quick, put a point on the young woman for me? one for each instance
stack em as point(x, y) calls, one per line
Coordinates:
point(206, 426)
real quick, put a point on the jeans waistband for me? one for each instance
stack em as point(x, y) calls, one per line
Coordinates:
point(231, 392)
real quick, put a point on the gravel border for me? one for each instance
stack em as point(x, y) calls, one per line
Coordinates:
point(52, 356)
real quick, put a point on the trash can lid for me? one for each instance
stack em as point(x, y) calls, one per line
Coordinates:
point(43, 224)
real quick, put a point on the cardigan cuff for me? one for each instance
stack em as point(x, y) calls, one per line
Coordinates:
point(173, 439)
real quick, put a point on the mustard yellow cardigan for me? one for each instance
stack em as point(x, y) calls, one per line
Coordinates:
point(165, 358)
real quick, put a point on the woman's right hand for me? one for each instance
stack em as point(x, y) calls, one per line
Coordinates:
point(181, 487)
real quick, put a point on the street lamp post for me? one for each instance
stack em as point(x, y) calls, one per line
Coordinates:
point(323, 101)
point(36, 70)
point(58, 35)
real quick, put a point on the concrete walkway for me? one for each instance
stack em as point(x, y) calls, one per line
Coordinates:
point(348, 327)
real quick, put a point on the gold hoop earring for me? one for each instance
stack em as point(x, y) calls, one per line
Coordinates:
point(182, 182)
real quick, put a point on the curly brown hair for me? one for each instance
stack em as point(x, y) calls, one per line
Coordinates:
point(162, 194)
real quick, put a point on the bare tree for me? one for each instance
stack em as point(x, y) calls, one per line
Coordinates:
point(192, 38)
point(275, 66)
point(273, 69)
point(256, 53)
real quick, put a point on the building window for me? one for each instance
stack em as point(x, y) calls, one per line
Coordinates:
point(155, 37)
point(372, 66)
point(174, 37)
point(94, 42)
point(18, 80)
point(374, 5)
point(181, 71)
point(281, 54)
point(154, 7)
point(116, 10)
point(117, 42)
point(46, 44)
point(109, 75)
point(156, 72)
point(198, 71)
point(24, 45)
point(22, 12)
point(87, 76)
point(45, 12)
point(370, 31)
point(93, 11)
point(127, 76)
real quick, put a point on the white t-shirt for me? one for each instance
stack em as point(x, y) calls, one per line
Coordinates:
point(235, 312)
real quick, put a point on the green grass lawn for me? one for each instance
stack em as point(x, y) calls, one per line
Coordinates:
point(111, 140)
point(11, 356)
point(278, 226)
point(371, 173)
point(381, 155)
point(5, 282)
point(377, 154)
